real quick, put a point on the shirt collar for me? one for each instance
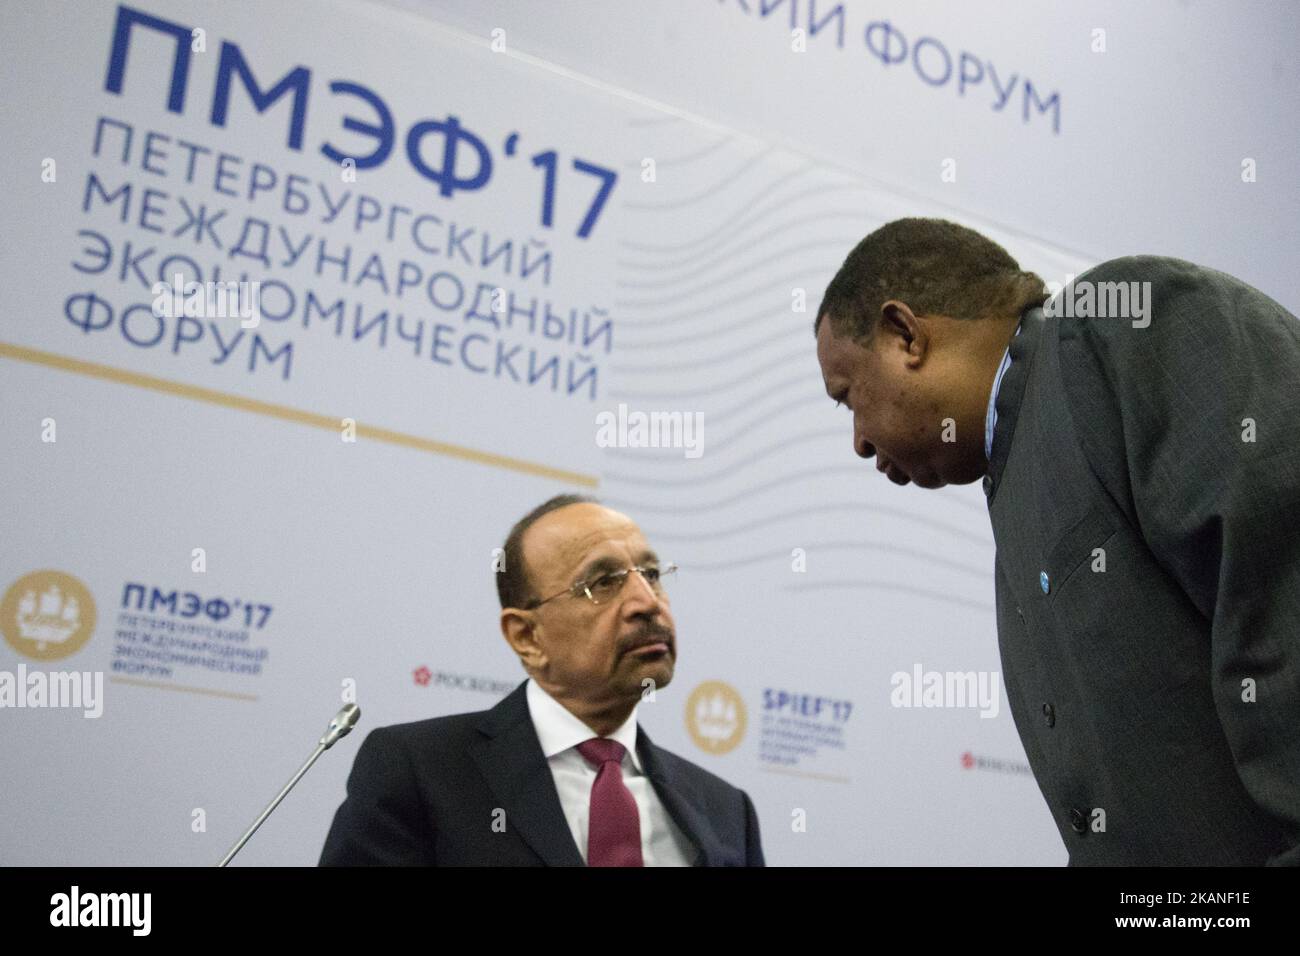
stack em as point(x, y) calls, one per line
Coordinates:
point(991, 416)
point(559, 730)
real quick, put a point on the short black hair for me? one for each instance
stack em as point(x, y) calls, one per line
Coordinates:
point(937, 267)
point(513, 587)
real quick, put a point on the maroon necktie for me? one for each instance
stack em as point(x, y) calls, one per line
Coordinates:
point(614, 826)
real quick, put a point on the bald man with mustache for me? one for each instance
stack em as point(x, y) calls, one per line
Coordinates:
point(559, 773)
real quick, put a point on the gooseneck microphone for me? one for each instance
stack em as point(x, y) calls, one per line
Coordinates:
point(339, 727)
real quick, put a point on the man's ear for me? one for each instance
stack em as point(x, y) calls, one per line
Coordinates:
point(905, 331)
point(519, 628)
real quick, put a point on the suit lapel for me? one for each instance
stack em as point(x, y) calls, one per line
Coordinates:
point(516, 770)
point(680, 800)
point(511, 758)
point(1011, 394)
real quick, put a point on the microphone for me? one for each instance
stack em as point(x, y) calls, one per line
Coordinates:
point(340, 726)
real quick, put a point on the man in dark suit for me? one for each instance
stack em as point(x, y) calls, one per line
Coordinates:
point(1137, 436)
point(558, 773)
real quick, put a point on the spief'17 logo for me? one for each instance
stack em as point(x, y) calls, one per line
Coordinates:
point(47, 615)
point(715, 717)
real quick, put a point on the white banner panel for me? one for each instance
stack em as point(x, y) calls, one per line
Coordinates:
point(464, 258)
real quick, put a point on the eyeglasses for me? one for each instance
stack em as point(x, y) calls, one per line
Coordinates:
point(605, 588)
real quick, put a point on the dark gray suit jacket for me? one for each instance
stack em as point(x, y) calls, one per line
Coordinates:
point(1130, 685)
point(426, 793)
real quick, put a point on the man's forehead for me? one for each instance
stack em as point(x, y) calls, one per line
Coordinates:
point(564, 538)
point(834, 352)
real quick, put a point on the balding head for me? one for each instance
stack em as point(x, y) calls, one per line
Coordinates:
point(587, 628)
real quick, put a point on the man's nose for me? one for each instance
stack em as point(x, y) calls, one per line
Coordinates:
point(639, 592)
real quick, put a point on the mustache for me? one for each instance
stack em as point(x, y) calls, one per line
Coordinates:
point(650, 632)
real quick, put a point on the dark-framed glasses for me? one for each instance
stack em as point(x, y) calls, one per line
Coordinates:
point(605, 587)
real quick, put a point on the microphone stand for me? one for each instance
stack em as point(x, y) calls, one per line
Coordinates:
point(340, 726)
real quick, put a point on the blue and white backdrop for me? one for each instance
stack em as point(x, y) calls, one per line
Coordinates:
point(474, 230)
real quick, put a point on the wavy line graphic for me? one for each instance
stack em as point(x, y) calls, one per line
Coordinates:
point(725, 251)
point(635, 164)
point(721, 281)
point(816, 548)
point(749, 165)
point(788, 281)
point(694, 338)
point(753, 209)
point(851, 585)
point(654, 121)
point(759, 455)
point(717, 389)
point(774, 518)
point(713, 360)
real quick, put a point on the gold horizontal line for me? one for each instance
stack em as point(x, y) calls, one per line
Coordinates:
point(285, 413)
point(806, 773)
point(182, 687)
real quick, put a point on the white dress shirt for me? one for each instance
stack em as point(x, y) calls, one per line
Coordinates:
point(560, 732)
